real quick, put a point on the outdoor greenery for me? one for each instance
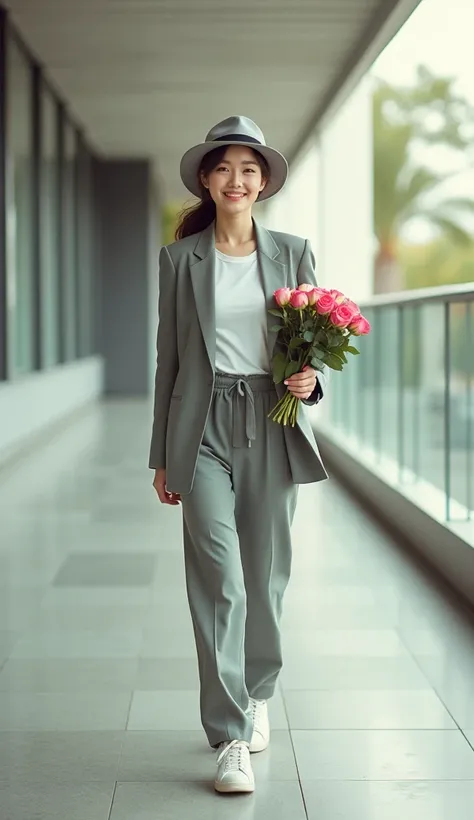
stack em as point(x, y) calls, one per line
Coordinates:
point(405, 120)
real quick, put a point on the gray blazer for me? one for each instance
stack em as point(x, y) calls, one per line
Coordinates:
point(186, 351)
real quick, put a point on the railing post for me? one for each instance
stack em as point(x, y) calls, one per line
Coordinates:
point(400, 393)
point(469, 442)
point(447, 410)
point(3, 210)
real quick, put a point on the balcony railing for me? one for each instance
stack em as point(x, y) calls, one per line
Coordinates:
point(407, 401)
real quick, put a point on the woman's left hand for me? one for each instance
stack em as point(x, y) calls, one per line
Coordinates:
point(302, 384)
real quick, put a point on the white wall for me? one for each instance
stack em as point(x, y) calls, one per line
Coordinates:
point(346, 196)
point(328, 197)
point(33, 404)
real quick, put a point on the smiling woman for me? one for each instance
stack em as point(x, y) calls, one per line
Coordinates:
point(227, 175)
point(214, 448)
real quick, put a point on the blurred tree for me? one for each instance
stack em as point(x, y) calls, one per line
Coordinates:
point(441, 262)
point(170, 215)
point(429, 113)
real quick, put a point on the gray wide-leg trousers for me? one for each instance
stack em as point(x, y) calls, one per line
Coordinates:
point(237, 547)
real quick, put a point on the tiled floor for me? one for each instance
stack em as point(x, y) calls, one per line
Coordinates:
point(99, 720)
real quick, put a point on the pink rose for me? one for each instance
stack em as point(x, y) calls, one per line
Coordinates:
point(325, 304)
point(314, 295)
point(354, 307)
point(342, 316)
point(360, 326)
point(338, 296)
point(283, 296)
point(299, 299)
point(306, 288)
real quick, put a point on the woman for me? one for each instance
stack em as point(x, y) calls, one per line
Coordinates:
point(214, 449)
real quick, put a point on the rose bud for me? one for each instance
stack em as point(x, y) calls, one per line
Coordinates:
point(299, 299)
point(360, 326)
point(283, 296)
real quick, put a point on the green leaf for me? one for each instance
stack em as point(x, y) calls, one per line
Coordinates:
point(276, 327)
point(275, 312)
point(278, 366)
point(291, 369)
point(296, 341)
point(308, 336)
point(334, 361)
point(317, 363)
point(353, 350)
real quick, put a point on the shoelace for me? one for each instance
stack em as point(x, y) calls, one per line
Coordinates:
point(256, 713)
point(233, 754)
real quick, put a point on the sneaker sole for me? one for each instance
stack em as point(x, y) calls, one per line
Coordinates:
point(259, 746)
point(228, 788)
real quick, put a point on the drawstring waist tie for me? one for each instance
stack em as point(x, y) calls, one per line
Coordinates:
point(243, 413)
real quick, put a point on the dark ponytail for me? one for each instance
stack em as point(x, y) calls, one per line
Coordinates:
point(198, 217)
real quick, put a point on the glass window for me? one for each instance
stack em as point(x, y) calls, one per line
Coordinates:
point(49, 230)
point(69, 268)
point(19, 212)
point(84, 250)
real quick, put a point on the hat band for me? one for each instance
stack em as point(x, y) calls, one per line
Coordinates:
point(239, 137)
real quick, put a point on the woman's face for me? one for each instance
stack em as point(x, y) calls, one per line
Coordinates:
point(235, 183)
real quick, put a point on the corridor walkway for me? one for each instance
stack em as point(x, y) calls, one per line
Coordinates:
point(99, 717)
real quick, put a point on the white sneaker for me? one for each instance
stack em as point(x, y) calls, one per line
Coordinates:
point(234, 770)
point(258, 710)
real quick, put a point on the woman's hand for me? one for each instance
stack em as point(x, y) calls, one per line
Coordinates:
point(302, 384)
point(159, 483)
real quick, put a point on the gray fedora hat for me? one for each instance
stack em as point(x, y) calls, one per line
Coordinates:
point(235, 131)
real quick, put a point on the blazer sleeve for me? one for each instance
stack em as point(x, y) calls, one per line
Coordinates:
point(166, 359)
point(306, 273)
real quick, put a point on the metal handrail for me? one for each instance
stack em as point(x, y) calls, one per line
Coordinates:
point(443, 295)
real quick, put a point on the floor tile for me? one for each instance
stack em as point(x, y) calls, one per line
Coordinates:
point(176, 801)
point(353, 673)
point(106, 570)
point(366, 710)
point(168, 710)
point(59, 757)
point(79, 644)
point(346, 642)
point(383, 755)
point(166, 642)
point(56, 801)
point(328, 615)
point(97, 654)
point(63, 617)
point(410, 800)
point(58, 712)
point(166, 673)
point(98, 596)
point(164, 710)
point(186, 756)
point(65, 675)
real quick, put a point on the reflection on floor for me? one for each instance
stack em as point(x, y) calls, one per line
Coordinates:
point(99, 719)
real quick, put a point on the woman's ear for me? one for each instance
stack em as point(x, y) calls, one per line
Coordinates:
point(264, 184)
point(204, 181)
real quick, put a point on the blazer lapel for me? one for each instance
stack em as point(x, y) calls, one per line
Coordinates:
point(202, 272)
point(273, 276)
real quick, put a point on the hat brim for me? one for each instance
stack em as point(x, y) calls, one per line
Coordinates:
point(191, 161)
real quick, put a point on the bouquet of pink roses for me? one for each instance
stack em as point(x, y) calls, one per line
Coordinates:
point(315, 327)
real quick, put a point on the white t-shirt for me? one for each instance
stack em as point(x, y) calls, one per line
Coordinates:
point(241, 316)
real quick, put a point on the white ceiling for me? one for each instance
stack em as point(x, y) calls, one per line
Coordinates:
point(150, 77)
